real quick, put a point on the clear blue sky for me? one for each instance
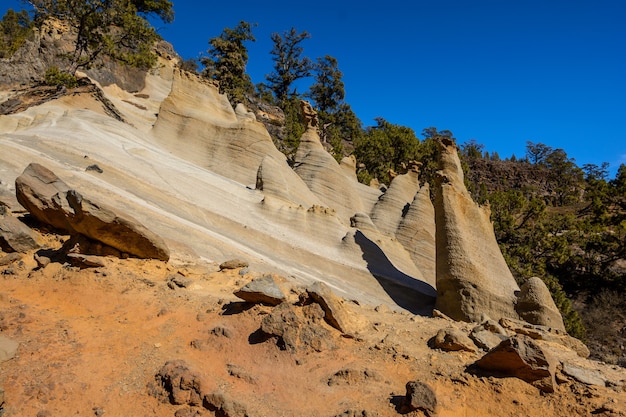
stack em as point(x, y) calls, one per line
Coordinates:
point(501, 72)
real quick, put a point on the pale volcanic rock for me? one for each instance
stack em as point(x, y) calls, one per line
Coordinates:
point(472, 276)
point(348, 164)
point(277, 180)
point(325, 178)
point(198, 124)
point(536, 306)
point(392, 206)
point(416, 233)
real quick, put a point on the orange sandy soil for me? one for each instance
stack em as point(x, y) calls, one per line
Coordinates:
point(91, 341)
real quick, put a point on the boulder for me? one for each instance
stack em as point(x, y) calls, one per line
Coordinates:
point(179, 384)
point(472, 275)
point(453, 339)
point(51, 201)
point(547, 334)
point(222, 405)
point(296, 330)
point(521, 357)
point(419, 396)
point(15, 236)
point(262, 290)
point(233, 264)
point(585, 375)
point(36, 189)
point(536, 306)
point(335, 312)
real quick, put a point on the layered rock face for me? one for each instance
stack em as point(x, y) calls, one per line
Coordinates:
point(198, 124)
point(472, 276)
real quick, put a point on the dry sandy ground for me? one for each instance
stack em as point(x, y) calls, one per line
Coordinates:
point(92, 340)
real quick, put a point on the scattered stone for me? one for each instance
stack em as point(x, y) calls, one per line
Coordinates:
point(586, 376)
point(8, 348)
point(350, 376)
point(262, 290)
point(419, 396)
point(488, 335)
point(15, 236)
point(222, 331)
point(485, 339)
point(98, 411)
point(294, 331)
point(179, 384)
point(355, 413)
point(85, 261)
point(336, 313)
point(95, 168)
point(51, 201)
point(536, 306)
point(521, 357)
point(222, 405)
point(233, 264)
point(187, 412)
point(178, 281)
point(42, 261)
point(547, 334)
point(240, 373)
point(10, 258)
point(453, 339)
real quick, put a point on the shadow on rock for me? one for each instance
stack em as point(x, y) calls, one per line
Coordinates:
point(414, 295)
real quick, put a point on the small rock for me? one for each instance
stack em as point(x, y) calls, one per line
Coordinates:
point(222, 331)
point(179, 384)
point(95, 168)
point(261, 290)
point(42, 261)
point(98, 411)
point(10, 258)
point(453, 339)
point(420, 396)
point(485, 339)
point(222, 405)
point(233, 264)
point(85, 261)
point(178, 281)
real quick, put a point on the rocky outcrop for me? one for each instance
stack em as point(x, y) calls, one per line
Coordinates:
point(335, 312)
point(52, 201)
point(419, 396)
point(416, 233)
point(536, 306)
point(394, 204)
point(472, 276)
point(198, 124)
point(523, 358)
point(276, 179)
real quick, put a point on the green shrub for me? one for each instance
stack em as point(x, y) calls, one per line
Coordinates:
point(55, 77)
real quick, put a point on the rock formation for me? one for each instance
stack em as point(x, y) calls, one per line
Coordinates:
point(536, 306)
point(472, 276)
point(51, 201)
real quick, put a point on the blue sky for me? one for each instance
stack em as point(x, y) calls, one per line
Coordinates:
point(501, 72)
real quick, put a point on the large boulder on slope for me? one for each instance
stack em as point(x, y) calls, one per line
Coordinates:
point(472, 275)
point(52, 201)
point(521, 357)
point(536, 306)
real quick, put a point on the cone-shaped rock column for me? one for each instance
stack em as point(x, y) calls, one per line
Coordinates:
point(472, 276)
